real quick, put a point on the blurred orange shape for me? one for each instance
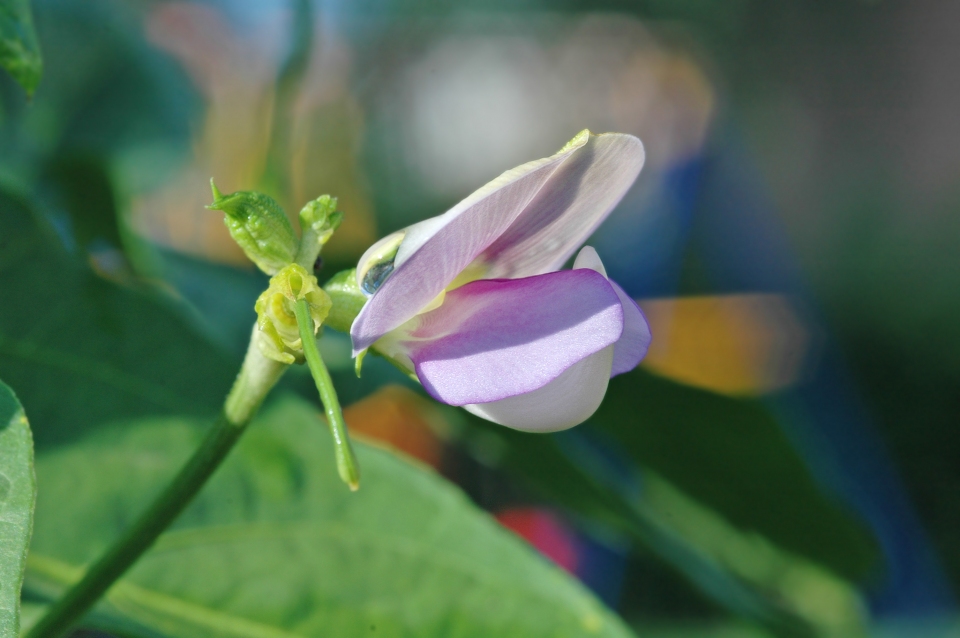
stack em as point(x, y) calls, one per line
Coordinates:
point(401, 419)
point(742, 345)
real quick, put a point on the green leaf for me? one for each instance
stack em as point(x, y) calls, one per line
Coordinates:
point(681, 471)
point(18, 490)
point(81, 350)
point(19, 47)
point(729, 454)
point(733, 456)
point(276, 545)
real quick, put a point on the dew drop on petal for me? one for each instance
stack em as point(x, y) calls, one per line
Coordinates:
point(375, 276)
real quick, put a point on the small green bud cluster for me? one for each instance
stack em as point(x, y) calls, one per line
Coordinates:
point(292, 309)
point(259, 225)
point(277, 319)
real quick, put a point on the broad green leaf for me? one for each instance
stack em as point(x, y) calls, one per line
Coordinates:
point(19, 47)
point(276, 545)
point(18, 490)
point(81, 350)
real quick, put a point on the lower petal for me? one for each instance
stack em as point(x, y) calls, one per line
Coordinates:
point(632, 345)
point(568, 400)
point(635, 340)
point(494, 339)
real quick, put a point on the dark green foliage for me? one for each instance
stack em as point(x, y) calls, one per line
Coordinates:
point(19, 47)
point(82, 351)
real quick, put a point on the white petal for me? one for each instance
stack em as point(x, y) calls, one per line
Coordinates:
point(568, 400)
point(588, 258)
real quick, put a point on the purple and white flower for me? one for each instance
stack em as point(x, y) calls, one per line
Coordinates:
point(473, 302)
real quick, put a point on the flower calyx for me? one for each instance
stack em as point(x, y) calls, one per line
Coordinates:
point(279, 335)
point(347, 297)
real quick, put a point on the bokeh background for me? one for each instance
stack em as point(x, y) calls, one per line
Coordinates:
point(786, 459)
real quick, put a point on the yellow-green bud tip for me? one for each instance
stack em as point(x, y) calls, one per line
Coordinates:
point(578, 140)
point(216, 194)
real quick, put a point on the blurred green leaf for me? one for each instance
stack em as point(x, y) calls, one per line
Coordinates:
point(649, 466)
point(19, 47)
point(81, 350)
point(601, 497)
point(700, 630)
point(82, 188)
point(18, 490)
point(276, 545)
point(732, 456)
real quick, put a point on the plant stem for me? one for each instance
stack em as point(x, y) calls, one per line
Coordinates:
point(257, 376)
point(346, 460)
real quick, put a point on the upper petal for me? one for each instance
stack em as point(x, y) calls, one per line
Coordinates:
point(493, 339)
point(435, 251)
point(570, 206)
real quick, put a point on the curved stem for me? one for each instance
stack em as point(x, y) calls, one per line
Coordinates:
point(346, 460)
point(257, 376)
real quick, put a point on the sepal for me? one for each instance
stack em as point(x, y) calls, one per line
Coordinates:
point(259, 226)
point(347, 298)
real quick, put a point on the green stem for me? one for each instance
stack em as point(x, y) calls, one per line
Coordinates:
point(346, 460)
point(257, 376)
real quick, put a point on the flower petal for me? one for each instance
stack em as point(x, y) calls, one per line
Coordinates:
point(588, 258)
point(496, 338)
point(635, 340)
point(568, 400)
point(570, 206)
point(435, 251)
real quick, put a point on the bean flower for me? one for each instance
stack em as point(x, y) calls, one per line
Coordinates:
point(473, 302)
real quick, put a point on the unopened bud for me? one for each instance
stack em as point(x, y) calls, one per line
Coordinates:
point(276, 318)
point(259, 226)
point(318, 220)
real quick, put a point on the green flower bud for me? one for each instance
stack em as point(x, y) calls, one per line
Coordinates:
point(279, 334)
point(259, 226)
point(320, 215)
point(318, 220)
